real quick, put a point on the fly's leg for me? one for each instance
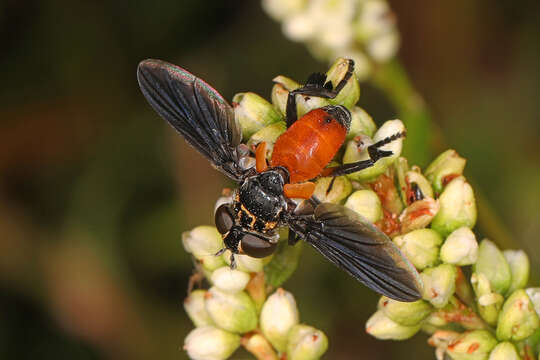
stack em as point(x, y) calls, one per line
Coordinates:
point(233, 262)
point(303, 190)
point(331, 185)
point(375, 154)
point(304, 211)
point(316, 85)
point(293, 237)
point(260, 157)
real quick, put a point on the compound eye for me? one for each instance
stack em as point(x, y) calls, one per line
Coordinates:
point(224, 219)
point(257, 247)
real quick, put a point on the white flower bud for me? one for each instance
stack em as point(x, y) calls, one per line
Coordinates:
point(519, 267)
point(337, 36)
point(280, 92)
point(446, 166)
point(306, 343)
point(340, 189)
point(472, 345)
point(460, 247)
point(268, 134)
point(457, 207)
point(232, 312)
point(349, 95)
point(253, 113)
point(454, 312)
point(405, 313)
point(489, 303)
point(210, 343)
point(383, 47)
point(330, 12)
point(323, 22)
point(419, 214)
point(381, 327)
point(490, 299)
point(229, 280)
point(244, 263)
point(504, 351)
point(305, 104)
point(439, 284)
point(492, 263)
point(362, 64)
point(440, 340)
point(278, 315)
point(361, 123)
point(352, 154)
point(534, 295)
point(420, 246)
point(211, 262)
point(489, 306)
point(367, 204)
point(194, 306)
point(287, 83)
point(375, 18)
point(204, 242)
point(300, 27)
point(518, 318)
point(282, 9)
point(257, 344)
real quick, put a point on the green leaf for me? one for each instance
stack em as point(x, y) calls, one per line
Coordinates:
point(283, 264)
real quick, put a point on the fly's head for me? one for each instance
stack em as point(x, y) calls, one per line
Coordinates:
point(238, 240)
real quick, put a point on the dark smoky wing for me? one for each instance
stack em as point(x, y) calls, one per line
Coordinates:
point(195, 110)
point(355, 245)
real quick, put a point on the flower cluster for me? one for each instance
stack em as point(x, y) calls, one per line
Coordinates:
point(474, 304)
point(236, 310)
point(363, 30)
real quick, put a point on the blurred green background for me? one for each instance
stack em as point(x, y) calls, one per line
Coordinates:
point(95, 189)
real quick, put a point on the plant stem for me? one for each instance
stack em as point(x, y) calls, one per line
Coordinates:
point(393, 79)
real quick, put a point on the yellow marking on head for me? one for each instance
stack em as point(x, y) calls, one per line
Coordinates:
point(252, 217)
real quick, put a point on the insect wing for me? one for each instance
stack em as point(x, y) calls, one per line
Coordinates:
point(195, 110)
point(355, 245)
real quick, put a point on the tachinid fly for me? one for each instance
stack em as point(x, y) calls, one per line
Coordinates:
point(263, 201)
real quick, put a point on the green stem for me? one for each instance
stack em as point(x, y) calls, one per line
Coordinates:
point(394, 81)
point(490, 222)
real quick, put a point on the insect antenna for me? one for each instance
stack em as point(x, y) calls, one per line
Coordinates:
point(233, 262)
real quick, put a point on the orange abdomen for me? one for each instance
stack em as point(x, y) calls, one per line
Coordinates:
point(308, 145)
